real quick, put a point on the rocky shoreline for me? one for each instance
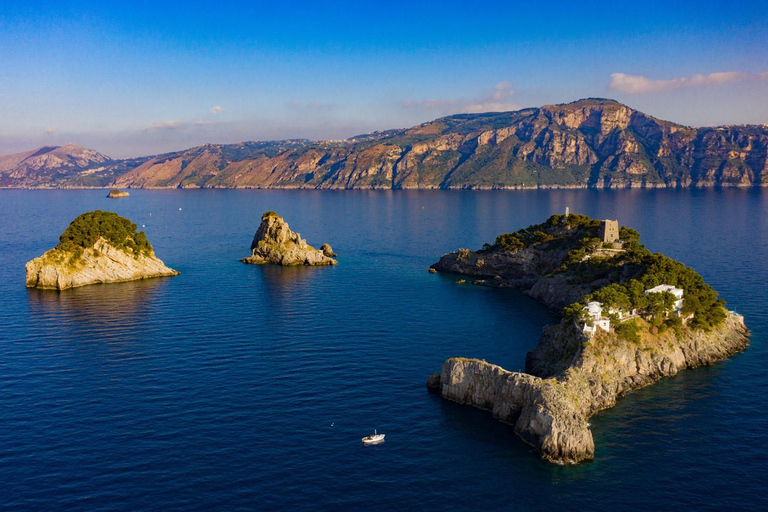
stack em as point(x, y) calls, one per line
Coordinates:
point(570, 376)
point(110, 254)
point(550, 404)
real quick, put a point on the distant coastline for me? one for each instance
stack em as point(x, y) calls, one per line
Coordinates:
point(592, 143)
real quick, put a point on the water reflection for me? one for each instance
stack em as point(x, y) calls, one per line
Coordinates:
point(97, 310)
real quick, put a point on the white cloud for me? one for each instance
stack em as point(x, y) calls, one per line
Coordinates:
point(202, 122)
point(638, 84)
point(495, 100)
point(314, 104)
point(218, 109)
point(165, 125)
point(50, 131)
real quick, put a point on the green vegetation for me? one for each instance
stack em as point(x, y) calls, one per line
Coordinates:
point(268, 214)
point(558, 228)
point(629, 330)
point(87, 228)
point(628, 273)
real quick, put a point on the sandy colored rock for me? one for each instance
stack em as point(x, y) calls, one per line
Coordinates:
point(114, 193)
point(96, 247)
point(101, 263)
point(570, 376)
point(550, 405)
point(275, 243)
point(328, 250)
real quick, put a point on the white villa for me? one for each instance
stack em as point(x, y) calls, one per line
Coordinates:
point(595, 311)
point(677, 292)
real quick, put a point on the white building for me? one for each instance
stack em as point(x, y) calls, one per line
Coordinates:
point(595, 312)
point(677, 292)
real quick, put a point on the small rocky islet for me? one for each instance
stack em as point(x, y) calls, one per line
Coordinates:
point(275, 242)
point(117, 194)
point(629, 318)
point(97, 247)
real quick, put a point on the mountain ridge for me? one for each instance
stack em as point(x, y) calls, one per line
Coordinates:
point(588, 143)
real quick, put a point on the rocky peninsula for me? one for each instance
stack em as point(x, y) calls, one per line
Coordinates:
point(274, 242)
point(97, 247)
point(629, 318)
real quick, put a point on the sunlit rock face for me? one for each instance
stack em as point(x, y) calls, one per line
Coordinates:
point(275, 243)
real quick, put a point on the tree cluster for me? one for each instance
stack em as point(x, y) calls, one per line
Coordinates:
point(88, 227)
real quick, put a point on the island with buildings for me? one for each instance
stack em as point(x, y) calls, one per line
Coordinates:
point(97, 247)
point(629, 317)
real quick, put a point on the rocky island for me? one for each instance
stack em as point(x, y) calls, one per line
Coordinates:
point(115, 194)
point(97, 247)
point(629, 318)
point(274, 242)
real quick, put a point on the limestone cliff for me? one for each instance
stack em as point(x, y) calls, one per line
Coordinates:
point(595, 143)
point(274, 242)
point(551, 403)
point(97, 247)
point(570, 376)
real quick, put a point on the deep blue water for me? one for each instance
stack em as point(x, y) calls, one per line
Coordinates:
point(236, 386)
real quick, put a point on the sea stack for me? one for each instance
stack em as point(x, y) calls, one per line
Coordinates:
point(115, 194)
point(97, 247)
point(275, 243)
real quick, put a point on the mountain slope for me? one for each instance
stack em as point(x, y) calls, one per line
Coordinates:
point(588, 143)
point(60, 166)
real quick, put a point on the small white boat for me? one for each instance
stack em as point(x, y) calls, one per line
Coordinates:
point(375, 438)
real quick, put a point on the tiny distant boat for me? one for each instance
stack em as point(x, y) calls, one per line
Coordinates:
point(375, 438)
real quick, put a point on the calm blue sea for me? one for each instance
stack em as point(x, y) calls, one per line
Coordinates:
point(235, 386)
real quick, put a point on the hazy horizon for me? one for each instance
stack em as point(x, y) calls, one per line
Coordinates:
point(147, 79)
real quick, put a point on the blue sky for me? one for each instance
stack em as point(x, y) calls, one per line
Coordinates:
point(133, 78)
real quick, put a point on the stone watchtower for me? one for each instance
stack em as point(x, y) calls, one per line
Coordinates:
point(609, 230)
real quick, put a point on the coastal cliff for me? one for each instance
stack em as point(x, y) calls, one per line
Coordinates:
point(574, 372)
point(97, 247)
point(274, 242)
point(589, 143)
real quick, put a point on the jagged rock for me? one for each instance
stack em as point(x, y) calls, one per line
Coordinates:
point(114, 193)
point(432, 271)
point(551, 404)
point(274, 242)
point(103, 255)
point(328, 250)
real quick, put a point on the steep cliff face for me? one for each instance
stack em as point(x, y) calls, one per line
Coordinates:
point(530, 269)
point(97, 247)
point(541, 413)
point(274, 242)
point(569, 378)
point(102, 263)
point(588, 143)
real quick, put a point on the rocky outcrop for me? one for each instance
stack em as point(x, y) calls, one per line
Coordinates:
point(101, 263)
point(97, 247)
point(539, 410)
point(114, 194)
point(328, 250)
point(274, 242)
point(529, 270)
point(595, 143)
point(569, 378)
